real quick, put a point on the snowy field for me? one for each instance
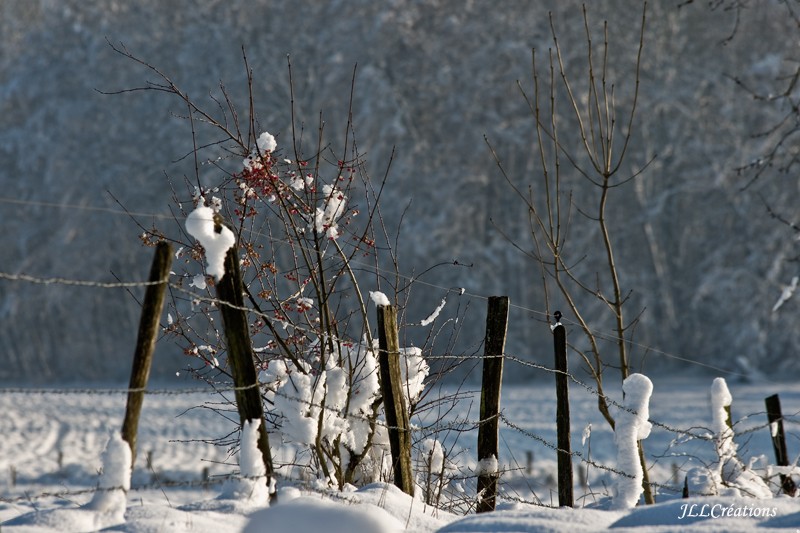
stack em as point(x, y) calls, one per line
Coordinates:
point(52, 443)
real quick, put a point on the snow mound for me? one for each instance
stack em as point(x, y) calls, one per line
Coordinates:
point(529, 518)
point(711, 514)
point(115, 481)
point(378, 508)
point(309, 513)
point(252, 485)
point(107, 507)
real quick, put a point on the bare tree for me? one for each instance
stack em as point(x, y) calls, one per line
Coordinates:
point(594, 149)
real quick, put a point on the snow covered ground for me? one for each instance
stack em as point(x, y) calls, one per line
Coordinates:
point(52, 445)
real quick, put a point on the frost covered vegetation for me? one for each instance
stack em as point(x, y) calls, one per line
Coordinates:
point(303, 256)
point(308, 234)
point(321, 242)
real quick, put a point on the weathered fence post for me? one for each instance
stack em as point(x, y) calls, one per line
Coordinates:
point(488, 430)
point(152, 307)
point(775, 418)
point(240, 354)
point(565, 497)
point(394, 403)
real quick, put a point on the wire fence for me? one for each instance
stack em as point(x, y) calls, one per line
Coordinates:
point(603, 335)
point(208, 299)
point(462, 425)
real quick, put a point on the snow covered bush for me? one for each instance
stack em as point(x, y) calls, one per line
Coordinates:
point(298, 238)
point(304, 220)
point(438, 474)
point(331, 411)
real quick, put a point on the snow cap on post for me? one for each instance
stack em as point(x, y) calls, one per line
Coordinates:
point(632, 426)
point(721, 400)
point(379, 298)
point(110, 500)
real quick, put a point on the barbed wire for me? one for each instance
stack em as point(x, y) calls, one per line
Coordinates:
point(112, 391)
point(209, 481)
point(225, 388)
point(439, 426)
point(602, 335)
point(77, 207)
point(215, 301)
point(156, 485)
point(587, 387)
point(77, 282)
point(580, 456)
point(458, 423)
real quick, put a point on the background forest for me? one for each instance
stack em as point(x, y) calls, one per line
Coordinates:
point(694, 235)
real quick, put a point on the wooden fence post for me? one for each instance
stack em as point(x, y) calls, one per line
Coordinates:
point(240, 354)
point(488, 430)
point(394, 403)
point(152, 307)
point(775, 418)
point(565, 497)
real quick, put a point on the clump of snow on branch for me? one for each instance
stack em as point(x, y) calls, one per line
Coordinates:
point(586, 435)
point(435, 314)
point(251, 486)
point(432, 455)
point(266, 144)
point(721, 400)
point(215, 238)
point(111, 499)
point(199, 282)
point(787, 293)
point(334, 207)
point(631, 426)
point(296, 396)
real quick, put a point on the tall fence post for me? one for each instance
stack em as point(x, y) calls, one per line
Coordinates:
point(393, 400)
point(152, 306)
point(488, 430)
point(240, 354)
point(775, 418)
point(565, 496)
